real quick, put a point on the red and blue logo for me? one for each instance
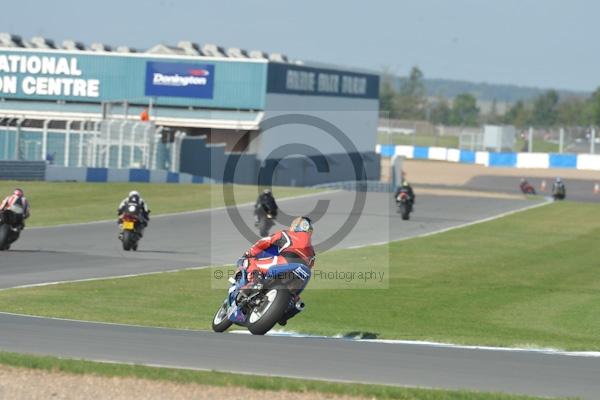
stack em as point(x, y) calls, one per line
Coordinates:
point(199, 72)
point(179, 80)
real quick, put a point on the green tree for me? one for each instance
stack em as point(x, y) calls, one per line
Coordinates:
point(441, 113)
point(492, 116)
point(593, 108)
point(572, 112)
point(545, 109)
point(387, 94)
point(518, 115)
point(465, 110)
point(410, 101)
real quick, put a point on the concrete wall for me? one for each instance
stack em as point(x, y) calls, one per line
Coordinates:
point(314, 170)
point(356, 118)
point(23, 170)
point(200, 158)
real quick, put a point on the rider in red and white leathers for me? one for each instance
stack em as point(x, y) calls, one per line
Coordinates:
point(284, 247)
point(17, 198)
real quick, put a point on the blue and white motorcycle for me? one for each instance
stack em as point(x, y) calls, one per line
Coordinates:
point(274, 299)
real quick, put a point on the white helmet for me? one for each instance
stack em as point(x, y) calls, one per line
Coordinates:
point(134, 193)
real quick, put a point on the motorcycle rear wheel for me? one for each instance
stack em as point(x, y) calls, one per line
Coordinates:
point(128, 240)
point(404, 211)
point(263, 318)
point(4, 237)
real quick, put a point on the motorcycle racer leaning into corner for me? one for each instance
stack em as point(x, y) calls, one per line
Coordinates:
point(135, 198)
point(17, 198)
point(284, 247)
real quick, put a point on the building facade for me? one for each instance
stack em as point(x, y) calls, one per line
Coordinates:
point(100, 108)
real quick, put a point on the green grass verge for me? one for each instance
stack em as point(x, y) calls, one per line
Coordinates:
point(71, 202)
point(530, 279)
point(418, 140)
point(539, 146)
point(53, 364)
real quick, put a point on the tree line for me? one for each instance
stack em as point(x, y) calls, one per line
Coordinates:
point(546, 110)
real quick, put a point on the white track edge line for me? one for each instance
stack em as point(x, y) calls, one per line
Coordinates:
point(32, 285)
point(281, 333)
point(487, 219)
point(424, 343)
point(451, 228)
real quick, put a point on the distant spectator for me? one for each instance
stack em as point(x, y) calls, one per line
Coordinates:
point(144, 116)
point(50, 158)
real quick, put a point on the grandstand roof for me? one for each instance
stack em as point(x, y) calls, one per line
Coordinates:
point(184, 47)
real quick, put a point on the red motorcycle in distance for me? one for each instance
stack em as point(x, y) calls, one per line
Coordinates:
point(526, 187)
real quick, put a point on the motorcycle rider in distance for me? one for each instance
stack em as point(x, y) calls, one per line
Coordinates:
point(559, 191)
point(17, 198)
point(526, 187)
point(265, 204)
point(135, 198)
point(405, 187)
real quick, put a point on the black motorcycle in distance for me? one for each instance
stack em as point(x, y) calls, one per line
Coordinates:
point(559, 192)
point(404, 205)
point(131, 227)
point(11, 224)
point(266, 220)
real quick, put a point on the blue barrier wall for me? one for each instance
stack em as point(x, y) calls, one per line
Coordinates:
point(563, 161)
point(467, 157)
point(421, 152)
point(503, 159)
point(493, 159)
point(71, 174)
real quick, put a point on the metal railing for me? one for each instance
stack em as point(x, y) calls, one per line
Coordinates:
point(111, 143)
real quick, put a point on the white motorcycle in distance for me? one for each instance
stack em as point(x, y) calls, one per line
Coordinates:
point(11, 224)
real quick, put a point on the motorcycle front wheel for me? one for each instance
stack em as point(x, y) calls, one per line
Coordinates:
point(220, 321)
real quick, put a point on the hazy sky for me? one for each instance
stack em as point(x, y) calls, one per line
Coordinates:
point(545, 43)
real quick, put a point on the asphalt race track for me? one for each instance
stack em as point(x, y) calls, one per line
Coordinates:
point(328, 359)
point(203, 238)
point(211, 238)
